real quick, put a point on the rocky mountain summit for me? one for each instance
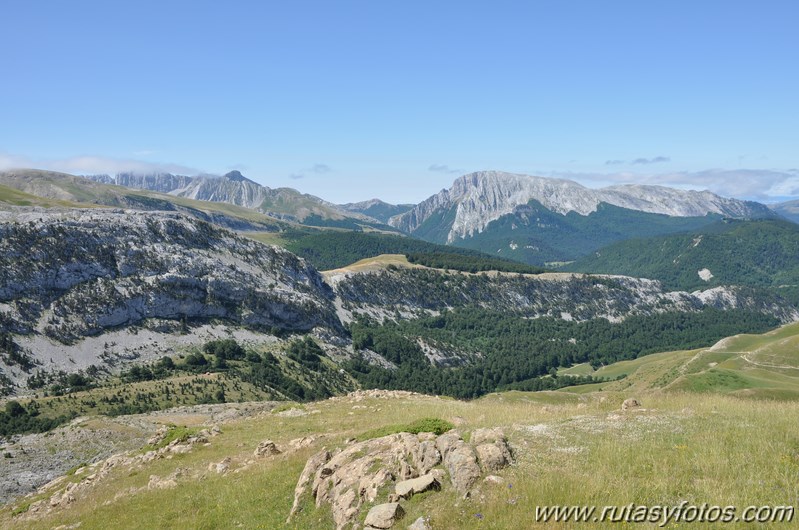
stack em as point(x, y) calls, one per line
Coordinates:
point(476, 199)
point(231, 188)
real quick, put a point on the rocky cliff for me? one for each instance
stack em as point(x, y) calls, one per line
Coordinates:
point(387, 293)
point(68, 275)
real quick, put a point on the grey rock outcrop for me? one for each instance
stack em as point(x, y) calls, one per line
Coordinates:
point(356, 475)
point(492, 449)
point(266, 448)
point(408, 488)
point(383, 516)
point(560, 295)
point(310, 470)
point(421, 523)
point(461, 463)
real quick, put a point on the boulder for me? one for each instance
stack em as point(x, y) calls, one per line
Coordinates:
point(422, 523)
point(447, 441)
point(461, 463)
point(266, 448)
point(179, 449)
point(299, 443)
point(384, 516)
point(482, 436)
point(630, 403)
point(492, 456)
point(408, 488)
point(220, 467)
point(309, 471)
point(157, 483)
point(426, 457)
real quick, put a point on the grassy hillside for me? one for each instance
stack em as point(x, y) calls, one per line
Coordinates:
point(761, 253)
point(757, 366)
point(569, 450)
point(14, 197)
point(696, 439)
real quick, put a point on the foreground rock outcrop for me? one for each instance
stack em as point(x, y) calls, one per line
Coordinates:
point(394, 468)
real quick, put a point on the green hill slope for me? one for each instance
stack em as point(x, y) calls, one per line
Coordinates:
point(536, 235)
point(568, 450)
point(763, 253)
point(761, 366)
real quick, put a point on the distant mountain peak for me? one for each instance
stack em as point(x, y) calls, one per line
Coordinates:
point(376, 209)
point(479, 198)
point(236, 176)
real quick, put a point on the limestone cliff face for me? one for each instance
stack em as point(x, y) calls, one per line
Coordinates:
point(67, 275)
point(560, 295)
point(161, 182)
point(232, 188)
point(482, 197)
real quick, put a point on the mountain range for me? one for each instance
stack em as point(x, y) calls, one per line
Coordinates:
point(482, 197)
point(533, 220)
point(76, 265)
point(539, 220)
point(234, 188)
point(175, 296)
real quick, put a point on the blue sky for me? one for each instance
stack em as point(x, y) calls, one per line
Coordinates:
point(353, 100)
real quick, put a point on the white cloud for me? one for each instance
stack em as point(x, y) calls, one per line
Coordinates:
point(8, 161)
point(443, 168)
point(655, 160)
point(754, 184)
point(89, 165)
point(321, 168)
